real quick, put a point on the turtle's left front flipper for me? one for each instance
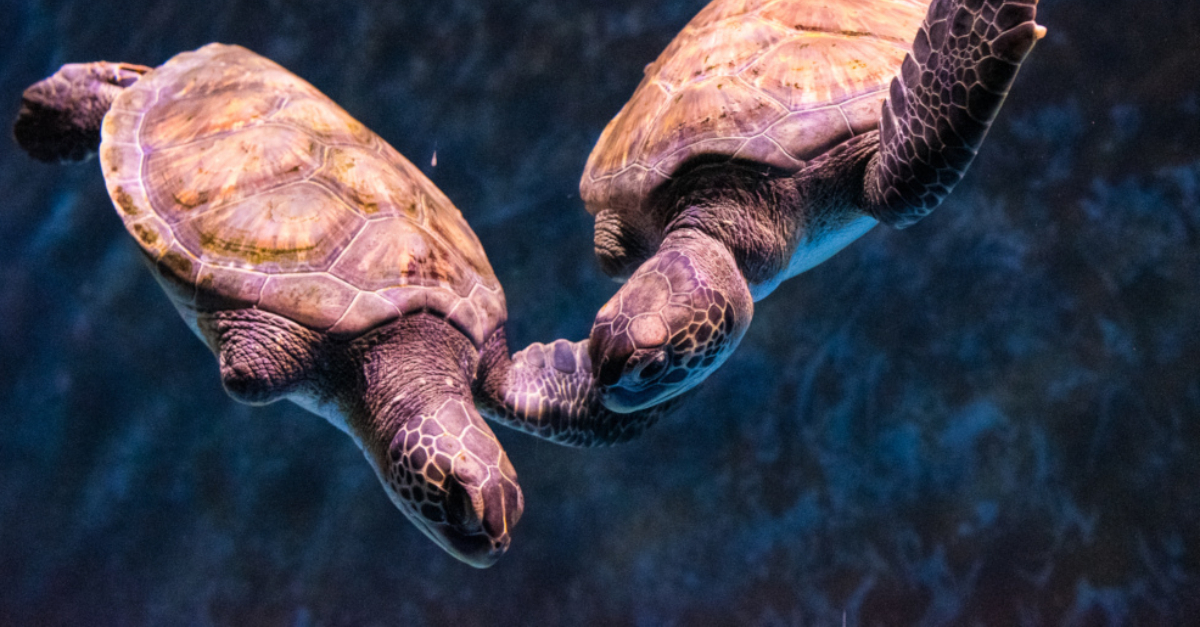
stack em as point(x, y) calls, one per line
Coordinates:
point(963, 61)
point(548, 390)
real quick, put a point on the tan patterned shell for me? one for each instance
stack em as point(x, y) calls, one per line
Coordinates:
point(248, 187)
point(771, 81)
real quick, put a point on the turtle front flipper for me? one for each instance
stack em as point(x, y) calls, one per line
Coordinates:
point(60, 116)
point(963, 61)
point(549, 391)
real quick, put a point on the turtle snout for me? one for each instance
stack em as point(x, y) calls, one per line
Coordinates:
point(480, 518)
point(451, 477)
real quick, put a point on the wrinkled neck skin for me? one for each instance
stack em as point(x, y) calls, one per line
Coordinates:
point(775, 225)
point(403, 393)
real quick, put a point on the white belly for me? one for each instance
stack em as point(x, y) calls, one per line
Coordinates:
point(814, 248)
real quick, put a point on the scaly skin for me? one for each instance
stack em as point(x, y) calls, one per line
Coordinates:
point(964, 60)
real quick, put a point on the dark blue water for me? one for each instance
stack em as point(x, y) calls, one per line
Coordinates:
point(991, 418)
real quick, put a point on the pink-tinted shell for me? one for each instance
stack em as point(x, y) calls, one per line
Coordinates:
point(248, 187)
point(773, 81)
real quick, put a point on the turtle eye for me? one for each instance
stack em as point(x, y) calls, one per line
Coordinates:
point(654, 367)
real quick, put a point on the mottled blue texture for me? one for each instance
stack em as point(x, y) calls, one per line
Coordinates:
point(991, 418)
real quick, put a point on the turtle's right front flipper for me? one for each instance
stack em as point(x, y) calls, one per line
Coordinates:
point(548, 390)
point(60, 116)
point(963, 61)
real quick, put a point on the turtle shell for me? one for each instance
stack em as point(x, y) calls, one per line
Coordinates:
point(777, 82)
point(247, 187)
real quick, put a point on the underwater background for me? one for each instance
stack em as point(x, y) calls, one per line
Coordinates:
point(991, 418)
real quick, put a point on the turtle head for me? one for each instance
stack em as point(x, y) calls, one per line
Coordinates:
point(452, 479)
point(674, 322)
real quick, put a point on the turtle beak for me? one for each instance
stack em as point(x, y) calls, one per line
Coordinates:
point(478, 529)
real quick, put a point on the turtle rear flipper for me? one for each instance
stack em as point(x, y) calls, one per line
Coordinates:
point(941, 105)
point(263, 357)
point(60, 116)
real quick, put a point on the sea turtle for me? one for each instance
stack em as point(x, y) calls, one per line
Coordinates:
point(764, 139)
point(320, 266)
